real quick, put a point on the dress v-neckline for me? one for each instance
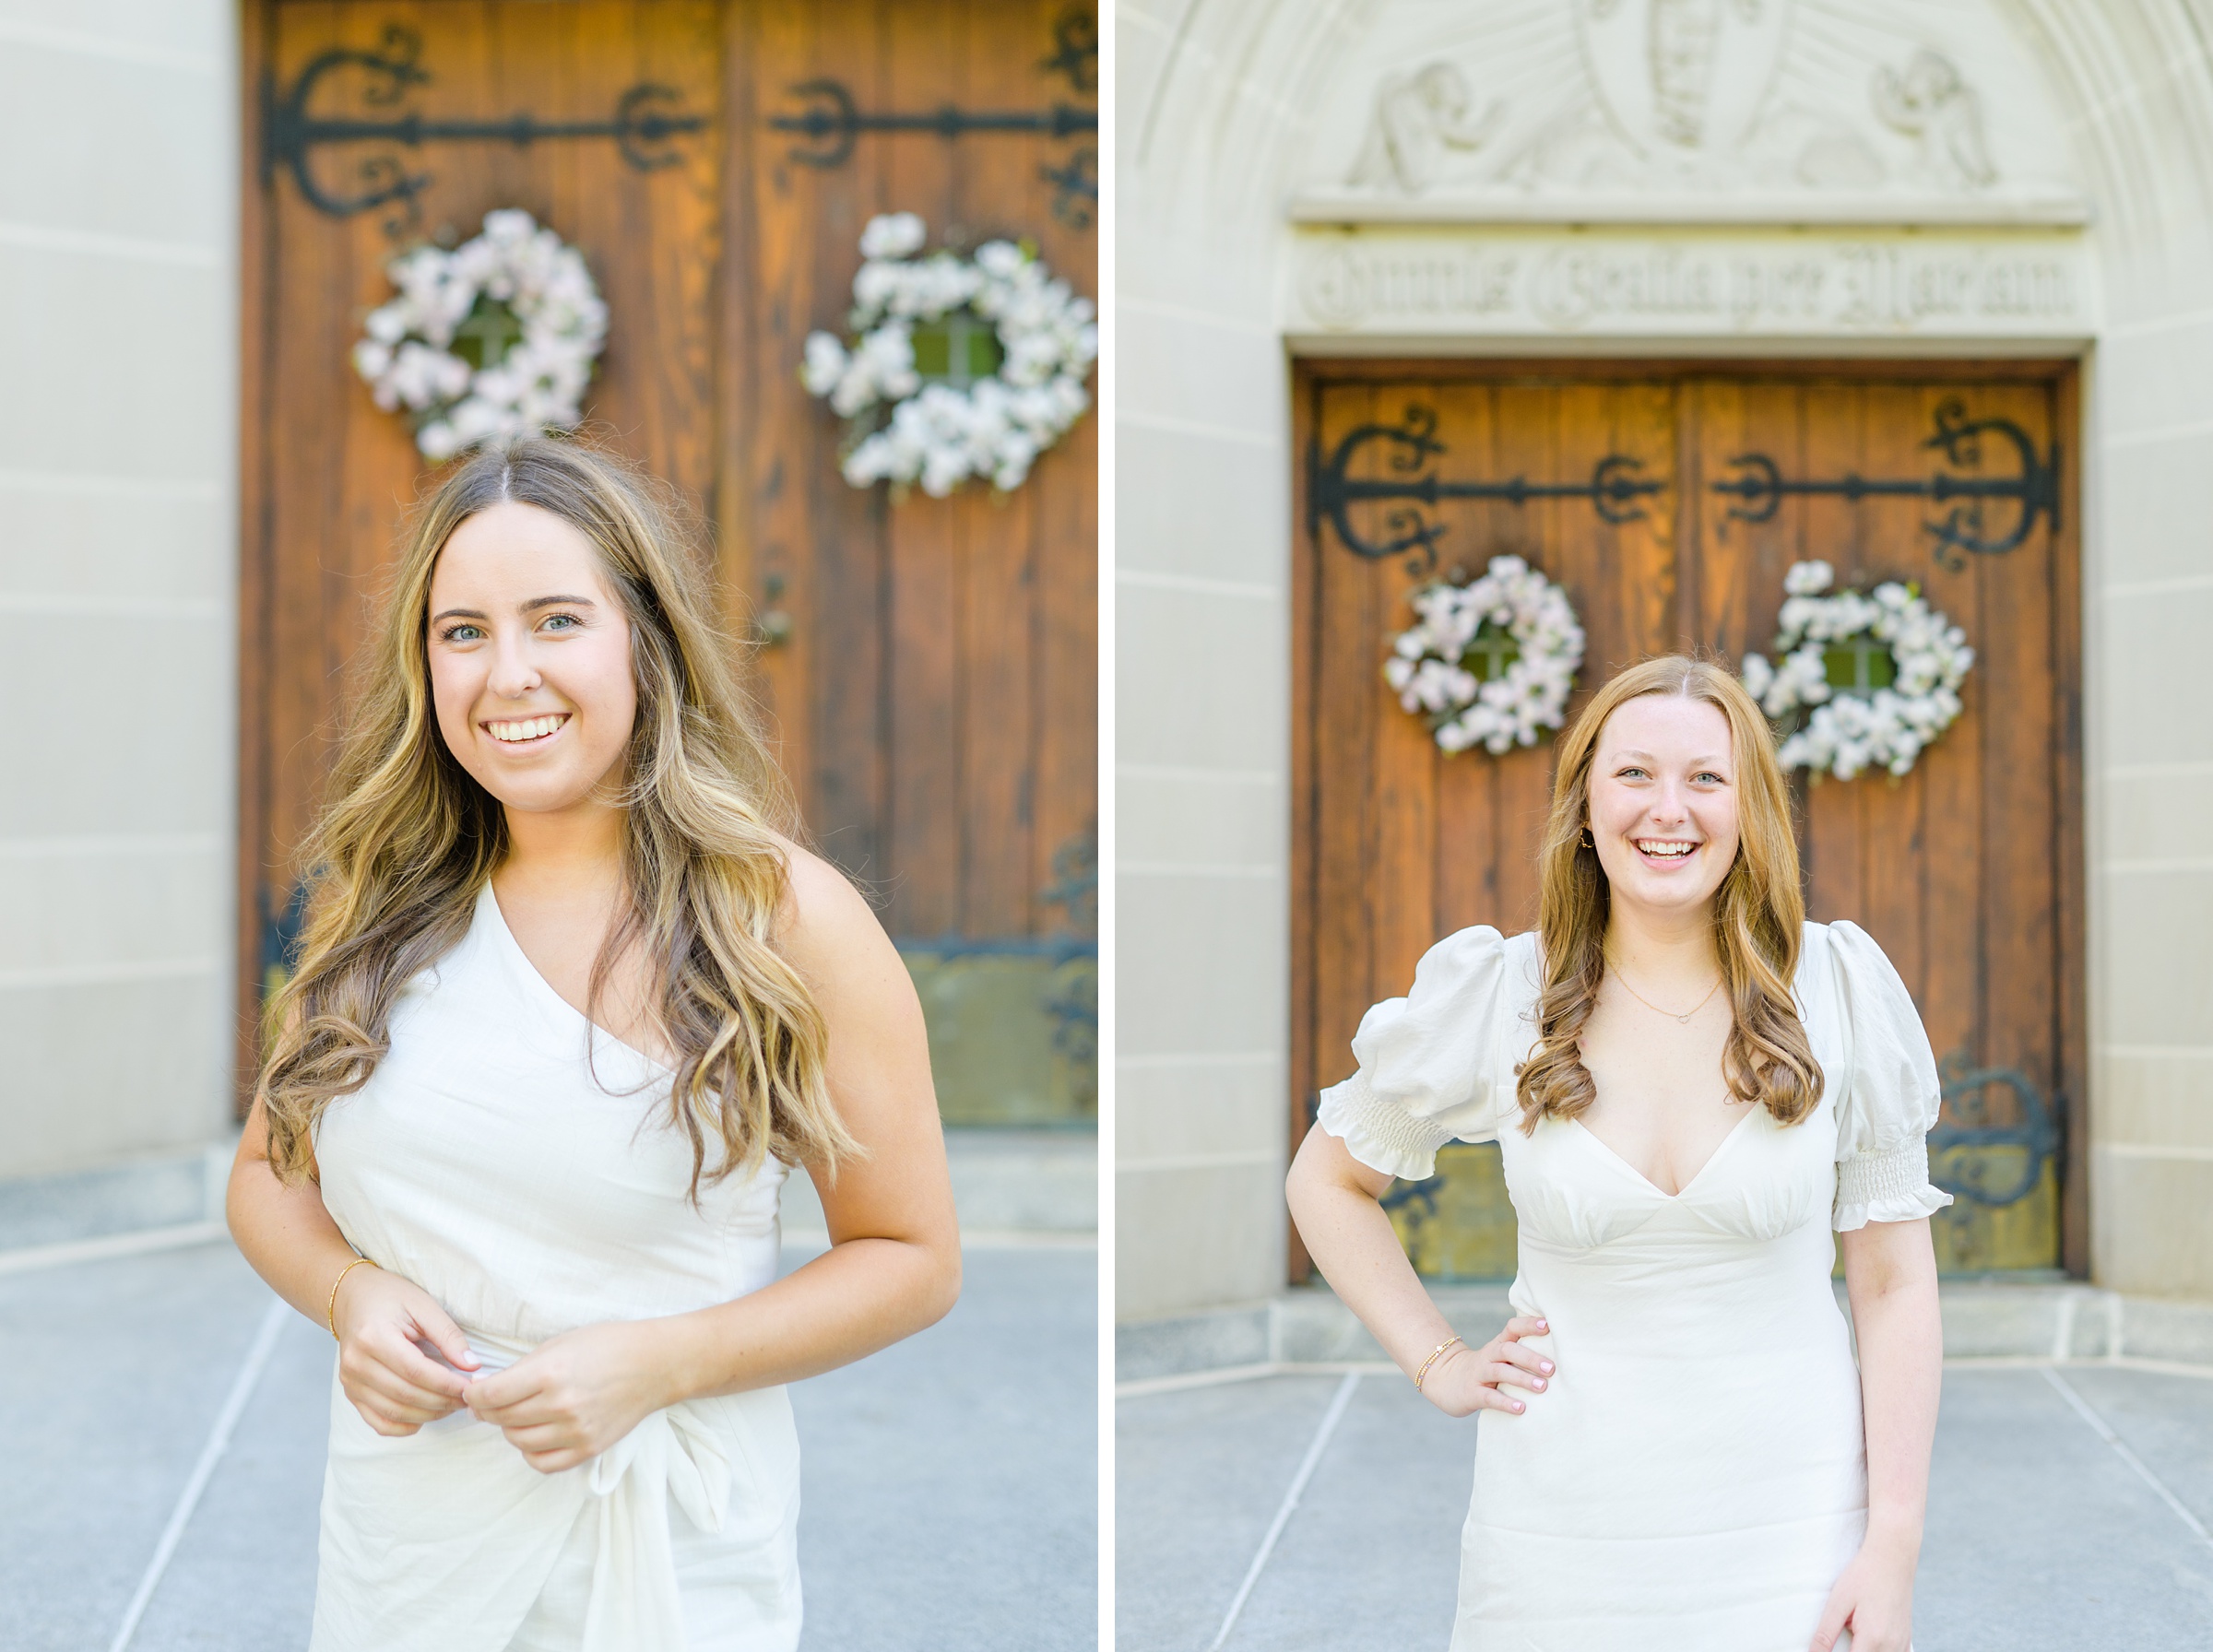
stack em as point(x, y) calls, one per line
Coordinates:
point(1722, 1147)
point(545, 989)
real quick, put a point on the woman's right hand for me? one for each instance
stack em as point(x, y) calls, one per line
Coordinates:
point(381, 1319)
point(1473, 1379)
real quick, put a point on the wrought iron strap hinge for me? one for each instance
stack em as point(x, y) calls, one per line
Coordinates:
point(2036, 1135)
point(831, 120)
point(647, 118)
point(1615, 489)
point(1759, 487)
point(833, 116)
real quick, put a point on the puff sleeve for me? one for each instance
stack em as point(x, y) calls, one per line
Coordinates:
point(1890, 1092)
point(1424, 1077)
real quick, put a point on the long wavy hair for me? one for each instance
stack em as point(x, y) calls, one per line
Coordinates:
point(407, 838)
point(1757, 911)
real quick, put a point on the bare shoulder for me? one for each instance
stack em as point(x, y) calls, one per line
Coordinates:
point(826, 927)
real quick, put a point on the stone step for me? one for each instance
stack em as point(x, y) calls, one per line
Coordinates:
point(166, 1190)
point(1984, 1319)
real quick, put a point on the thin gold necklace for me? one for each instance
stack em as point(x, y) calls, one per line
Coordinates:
point(1684, 1018)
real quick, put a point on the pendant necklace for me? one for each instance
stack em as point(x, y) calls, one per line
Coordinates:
point(1683, 1019)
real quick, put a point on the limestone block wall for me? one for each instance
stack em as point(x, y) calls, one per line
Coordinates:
point(118, 167)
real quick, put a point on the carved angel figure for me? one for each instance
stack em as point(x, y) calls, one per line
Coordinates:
point(1419, 116)
point(1931, 103)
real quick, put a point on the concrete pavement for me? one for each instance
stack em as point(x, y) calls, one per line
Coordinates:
point(2042, 1531)
point(949, 1492)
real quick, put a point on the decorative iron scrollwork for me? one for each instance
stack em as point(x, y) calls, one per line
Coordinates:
point(1615, 489)
point(648, 118)
point(1960, 1152)
point(1076, 50)
point(1759, 487)
point(1075, 187)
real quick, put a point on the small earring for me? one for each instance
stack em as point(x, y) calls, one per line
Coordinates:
point(1587, 843)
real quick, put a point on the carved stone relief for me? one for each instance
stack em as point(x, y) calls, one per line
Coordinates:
point(1682, 99)
point(1417, 118)
point(1929, 101)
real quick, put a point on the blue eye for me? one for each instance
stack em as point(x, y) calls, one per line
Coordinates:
point(566, 621)
point(460, 634)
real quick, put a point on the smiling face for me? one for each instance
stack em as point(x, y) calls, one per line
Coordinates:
point(1662, 802)
point(529, 655)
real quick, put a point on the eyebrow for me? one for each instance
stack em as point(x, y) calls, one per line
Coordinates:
point(1699, 762)
point(531, 606)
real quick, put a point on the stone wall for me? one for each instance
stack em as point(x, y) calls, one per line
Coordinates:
point(117, 582)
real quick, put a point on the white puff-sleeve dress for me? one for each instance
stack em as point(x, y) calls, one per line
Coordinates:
point(518, 1165)
point(1694, 1478)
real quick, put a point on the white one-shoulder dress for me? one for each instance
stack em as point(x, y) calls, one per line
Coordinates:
point(518, 1165)
point(1694, 1478)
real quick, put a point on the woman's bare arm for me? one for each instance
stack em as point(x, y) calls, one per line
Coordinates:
point(894, 1265)
point(1890, 1274)
point(1334, 1200)
point(284, 1232)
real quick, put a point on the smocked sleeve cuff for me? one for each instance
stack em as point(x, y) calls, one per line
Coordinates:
point(1382, 1134)
point(1886, 1186)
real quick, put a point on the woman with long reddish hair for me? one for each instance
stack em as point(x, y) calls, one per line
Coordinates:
point(1690, 1087)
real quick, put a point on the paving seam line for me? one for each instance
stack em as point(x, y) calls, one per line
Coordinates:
point(1283, 1513)
point(218, 1441)
point(2105, 1432)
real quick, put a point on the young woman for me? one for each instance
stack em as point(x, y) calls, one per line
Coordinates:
point(1690, 1086)
point(567, 1007)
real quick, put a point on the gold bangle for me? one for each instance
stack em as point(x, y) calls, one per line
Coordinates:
point(1434, 1353)
point(331, 1315)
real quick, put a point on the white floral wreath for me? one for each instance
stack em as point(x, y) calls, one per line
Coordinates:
point(536, 384)
point(1847, 729)
point(941, 434)
point(1428, 667)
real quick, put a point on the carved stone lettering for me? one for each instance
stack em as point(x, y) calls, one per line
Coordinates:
point(1507, 283)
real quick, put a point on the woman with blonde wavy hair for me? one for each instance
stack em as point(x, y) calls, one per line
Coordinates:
point(1690, 1087)
point(569, 1005)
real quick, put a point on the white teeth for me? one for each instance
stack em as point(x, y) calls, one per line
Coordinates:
point(531, 729)
point(1667, 850)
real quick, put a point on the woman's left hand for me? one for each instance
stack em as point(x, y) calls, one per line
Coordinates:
point(1874, 1598)
point(575, 1394)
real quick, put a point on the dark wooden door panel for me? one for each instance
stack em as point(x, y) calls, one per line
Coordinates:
point(1959, 869)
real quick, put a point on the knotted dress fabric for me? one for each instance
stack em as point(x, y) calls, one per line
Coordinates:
point(519, 1164)
point(1694, 1476)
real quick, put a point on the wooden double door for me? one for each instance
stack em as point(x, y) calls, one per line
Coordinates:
point(929, 663)
point(1669, 502)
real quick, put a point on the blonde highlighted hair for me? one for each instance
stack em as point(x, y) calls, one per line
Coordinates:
point(408, 838)
point(1759, 912)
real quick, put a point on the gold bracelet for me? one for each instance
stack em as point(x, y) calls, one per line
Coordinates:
point(1432, 1360)
point(330, 1317)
